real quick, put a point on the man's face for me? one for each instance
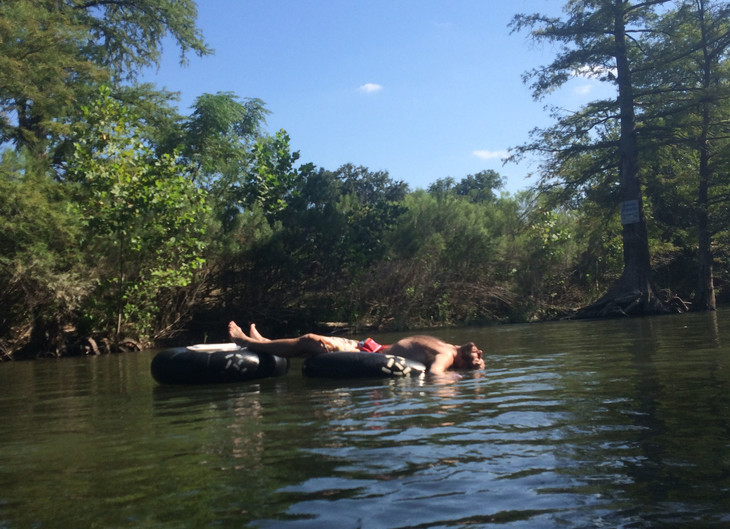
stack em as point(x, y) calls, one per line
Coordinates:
point(470, 357)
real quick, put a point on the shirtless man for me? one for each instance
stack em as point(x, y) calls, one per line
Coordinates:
point(435, 354)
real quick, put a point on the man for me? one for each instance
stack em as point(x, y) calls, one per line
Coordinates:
point(437, 355)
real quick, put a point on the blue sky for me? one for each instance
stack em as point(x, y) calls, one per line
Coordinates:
point(423, 89)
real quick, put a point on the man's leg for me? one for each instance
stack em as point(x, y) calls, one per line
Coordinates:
point(307, 345)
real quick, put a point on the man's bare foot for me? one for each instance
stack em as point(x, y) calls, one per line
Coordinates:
point(236, 334)
point(256, 334)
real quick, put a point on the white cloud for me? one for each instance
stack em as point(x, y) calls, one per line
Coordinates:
point(370, 88)
point(490, 155)
point(583, 89)
point(595, 72)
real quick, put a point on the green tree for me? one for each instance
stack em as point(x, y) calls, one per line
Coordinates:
point(42, 280)
point(479, 187)
point(602, 37)
point(52, 50)
point(692, 96)
point(304, 268)
point(218, 138)
point(274, 176)
point(440, 266)
point(344, 214)
point(221, 144)
point(41, 68)
point(144, 222)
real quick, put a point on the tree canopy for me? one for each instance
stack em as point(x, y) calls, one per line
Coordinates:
point(53, 51)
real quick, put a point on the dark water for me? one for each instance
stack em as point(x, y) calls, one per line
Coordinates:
point(594, 424)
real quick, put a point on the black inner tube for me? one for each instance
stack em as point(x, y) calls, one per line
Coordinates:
point(361, 365)
point(183, 365)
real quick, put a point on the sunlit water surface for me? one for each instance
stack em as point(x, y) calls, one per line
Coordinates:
point(574, 424)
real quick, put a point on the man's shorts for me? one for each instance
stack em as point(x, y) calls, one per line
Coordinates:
point(337, 343)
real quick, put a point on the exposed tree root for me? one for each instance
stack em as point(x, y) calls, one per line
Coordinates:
point(632, 303)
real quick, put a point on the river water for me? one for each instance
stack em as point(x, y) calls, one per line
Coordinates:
point(617, 424)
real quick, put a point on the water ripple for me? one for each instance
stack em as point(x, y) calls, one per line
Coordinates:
point(621, 424)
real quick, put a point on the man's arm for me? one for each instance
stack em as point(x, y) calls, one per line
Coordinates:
point(443, 361)
point(436, 354)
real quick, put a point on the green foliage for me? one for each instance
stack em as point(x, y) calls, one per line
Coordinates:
point(127, 35)
point(343, 215)
point(331, 229)
point(52, 50)
point(439, 265)
point(219, 137)
point(479, 187)
point(143, 219)
point(274, 176)
point(42, 282)
point(689, 92)
point(40, 64)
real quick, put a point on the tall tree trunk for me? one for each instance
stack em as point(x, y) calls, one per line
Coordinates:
point(637, 264)
point(704, 298)
point(634, 292)
point(705, 292)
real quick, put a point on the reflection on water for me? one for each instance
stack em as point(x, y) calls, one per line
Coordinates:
point(580, 424)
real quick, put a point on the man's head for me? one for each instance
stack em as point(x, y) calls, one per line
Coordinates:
point(468, 356)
